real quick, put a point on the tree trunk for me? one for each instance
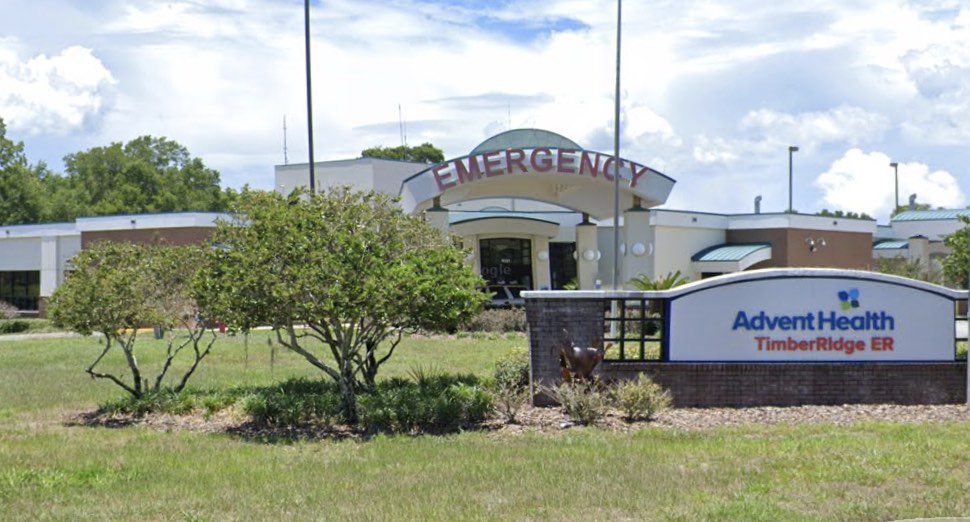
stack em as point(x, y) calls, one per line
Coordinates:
point(349, 399)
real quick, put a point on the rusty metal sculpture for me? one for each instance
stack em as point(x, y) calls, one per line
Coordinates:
point(578, 362)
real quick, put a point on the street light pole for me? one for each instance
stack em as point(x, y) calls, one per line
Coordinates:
point(791, 149)
point(309, 93)
point(616, 155)
point(895, 167)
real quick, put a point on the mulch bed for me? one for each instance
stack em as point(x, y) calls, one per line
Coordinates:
point(550, 420)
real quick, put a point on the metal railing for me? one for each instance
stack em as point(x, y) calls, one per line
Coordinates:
point(635, 329)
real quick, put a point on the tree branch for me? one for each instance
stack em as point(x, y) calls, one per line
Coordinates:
point(90, 371)
point(293, 345)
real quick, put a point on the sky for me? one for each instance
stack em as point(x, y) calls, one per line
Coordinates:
point(713, 92)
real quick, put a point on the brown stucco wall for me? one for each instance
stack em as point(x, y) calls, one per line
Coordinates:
point(170, 236)
point(851, 250)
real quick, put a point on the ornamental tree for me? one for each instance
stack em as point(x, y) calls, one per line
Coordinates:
point(424, 153)
point(955, 265)
point(116, 288)
point(340, 277)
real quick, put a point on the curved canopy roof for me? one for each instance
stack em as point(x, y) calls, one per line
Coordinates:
point(537, 165)
point(525, 139)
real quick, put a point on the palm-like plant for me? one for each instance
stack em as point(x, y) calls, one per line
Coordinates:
point(642, 282)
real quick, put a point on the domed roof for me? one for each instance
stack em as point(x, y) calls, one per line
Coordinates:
point(525, 139)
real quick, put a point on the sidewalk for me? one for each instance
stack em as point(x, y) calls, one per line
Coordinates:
point(48, 335)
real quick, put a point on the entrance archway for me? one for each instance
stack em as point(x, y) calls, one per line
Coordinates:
point(547, 169)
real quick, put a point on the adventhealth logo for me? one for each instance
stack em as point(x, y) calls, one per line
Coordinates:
point(820, 320)
point(849, 299)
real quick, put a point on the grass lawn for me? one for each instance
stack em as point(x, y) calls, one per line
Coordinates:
point(52, 470)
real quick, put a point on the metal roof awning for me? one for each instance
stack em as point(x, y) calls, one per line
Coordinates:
point(891, 245)
point(727, 258)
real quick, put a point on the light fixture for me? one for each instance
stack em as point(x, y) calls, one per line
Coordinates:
point(895, 167)
point(791, 149)
point(639, 249)
point(814, 243)
point(543, 255)
point(590, 255)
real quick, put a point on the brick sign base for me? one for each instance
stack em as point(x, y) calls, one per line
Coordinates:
point(795, 384)
point(740, 384)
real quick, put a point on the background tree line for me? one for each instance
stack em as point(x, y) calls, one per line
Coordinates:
point(144, 175)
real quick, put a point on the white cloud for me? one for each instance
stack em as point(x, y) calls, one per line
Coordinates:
point(864, 182)
point(772, 131)
point(713, 90)
point(52, 94)
point(850, 125)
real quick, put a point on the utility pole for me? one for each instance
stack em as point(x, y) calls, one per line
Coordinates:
point(309, 94)
point(616, 154)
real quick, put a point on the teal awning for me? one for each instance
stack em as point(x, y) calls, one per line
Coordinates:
point(728, 257)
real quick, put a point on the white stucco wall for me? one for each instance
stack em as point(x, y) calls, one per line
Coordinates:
point(674, 246)
point(67, 248)
point(932, 230)
point(20, 254)
point(46, 249)
point(362, 174)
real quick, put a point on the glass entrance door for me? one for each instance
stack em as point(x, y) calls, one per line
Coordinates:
point(562, 264)
point(507, 261)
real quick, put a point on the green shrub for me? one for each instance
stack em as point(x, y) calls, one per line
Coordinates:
point(510, 382)
point(498, 320)
point(583, 401)
point(431, 402)
point(218, 401)
point(512, 368)
point(295, 402)
point(510, 399)
point(161, 401)
point(11, 326)
point(641, 399)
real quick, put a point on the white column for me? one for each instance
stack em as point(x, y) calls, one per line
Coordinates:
point(587, 256)
point(636, 238)
point(438, 218)
point(48, 266)
point(475, 253)
point(542, 279)
point(919, 251)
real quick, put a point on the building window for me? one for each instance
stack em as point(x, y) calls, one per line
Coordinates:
point(507, 261)
point(20, 289)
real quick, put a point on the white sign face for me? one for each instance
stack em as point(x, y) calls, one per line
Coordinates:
point(832, 319)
